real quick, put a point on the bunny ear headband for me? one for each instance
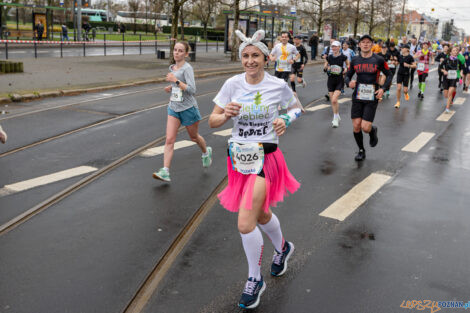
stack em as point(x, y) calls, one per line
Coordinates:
point(255, 41)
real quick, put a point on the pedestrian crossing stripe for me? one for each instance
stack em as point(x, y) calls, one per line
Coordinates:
point(342, 100)
point(354, 198)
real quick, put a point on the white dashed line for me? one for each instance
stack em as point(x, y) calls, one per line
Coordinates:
point(445, 117)
point(160, 149)
point(354, 198)
point(420, 141)
point(47, 179)
point(318, 107)
point(224, 133)
point(459, 101)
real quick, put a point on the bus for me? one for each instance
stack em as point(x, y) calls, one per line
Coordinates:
point(142, 18)
point(95, 15)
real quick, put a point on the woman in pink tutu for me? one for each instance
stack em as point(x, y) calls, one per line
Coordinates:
point(258, 177)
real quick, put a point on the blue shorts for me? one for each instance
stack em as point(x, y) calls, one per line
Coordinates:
point(187, 117)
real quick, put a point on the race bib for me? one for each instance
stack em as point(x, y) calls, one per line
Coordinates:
point(246, 158)
point(366, 92)
point(176, 94)
point(282, 65)
point(391, 64)
point(336, 69)
point(452, 74)
point(421, 67)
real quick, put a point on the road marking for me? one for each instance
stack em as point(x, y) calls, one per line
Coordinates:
point(420, 141)
point(160, 149)
point(46, 179)
point(445, 117)
point(318, 107)
point(343, 100)
point(224, 133)
point(354, 198)
point(459, 101)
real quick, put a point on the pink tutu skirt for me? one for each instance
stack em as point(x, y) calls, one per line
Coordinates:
point(278, 182)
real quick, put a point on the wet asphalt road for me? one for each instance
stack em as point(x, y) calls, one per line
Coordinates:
point(91, 251)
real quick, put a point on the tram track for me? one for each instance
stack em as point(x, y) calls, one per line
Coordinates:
point(100, 123)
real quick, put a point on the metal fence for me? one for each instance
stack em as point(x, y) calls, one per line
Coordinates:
point(106, 42)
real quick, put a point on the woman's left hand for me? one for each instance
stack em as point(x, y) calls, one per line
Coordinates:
point(170, 77)
point(279, 126)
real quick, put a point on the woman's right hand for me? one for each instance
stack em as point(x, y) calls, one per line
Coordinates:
point(168, 89)
point(232, 109)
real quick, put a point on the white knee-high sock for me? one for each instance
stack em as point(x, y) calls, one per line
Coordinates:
point(273, 230)
point(253, 245)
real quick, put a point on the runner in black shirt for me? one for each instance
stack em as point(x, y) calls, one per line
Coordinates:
point(392, 60)
point(299, 64)
point(367, 93)
point(441, 58)
point(334, 66)
point(384, 54)
point(406, 62)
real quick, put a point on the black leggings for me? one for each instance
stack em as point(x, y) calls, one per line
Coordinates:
point(412, 75)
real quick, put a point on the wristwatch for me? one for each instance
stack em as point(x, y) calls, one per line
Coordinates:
point(177, 83)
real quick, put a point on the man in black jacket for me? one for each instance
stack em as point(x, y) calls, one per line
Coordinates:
point(313, 43)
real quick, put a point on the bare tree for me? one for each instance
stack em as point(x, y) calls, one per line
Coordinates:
point(134, 6)
point(203, 10)
point(175, 15)
point(156, 8)
point(374, 9)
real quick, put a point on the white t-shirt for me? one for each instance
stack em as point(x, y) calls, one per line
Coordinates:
point(283, 54)
point(259, 106)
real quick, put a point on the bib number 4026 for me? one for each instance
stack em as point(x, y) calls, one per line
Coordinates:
point(246, 157)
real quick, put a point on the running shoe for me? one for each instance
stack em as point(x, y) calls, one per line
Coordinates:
point(440, 90)
point(304, 84)
point(422, 96)
point(447, 111)
point(419, 94)
point(397, 105)
point(162, 174)
point(373, 137)
point(327, 97)
point(342, 91)
point(335, 123)
point(407, 96)
point(387, 94)
point(361, 155)
point(279, 265)
point(207, 159)
point(252, 293)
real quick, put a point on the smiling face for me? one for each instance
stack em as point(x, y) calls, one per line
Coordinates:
point(253, 60)
point(179, 52)
point(335, 49)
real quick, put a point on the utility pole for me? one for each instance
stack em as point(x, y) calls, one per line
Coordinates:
point(79, 20)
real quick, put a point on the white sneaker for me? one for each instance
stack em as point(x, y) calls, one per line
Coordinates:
point(304, 84)
point(335, 123)
point(447, 111)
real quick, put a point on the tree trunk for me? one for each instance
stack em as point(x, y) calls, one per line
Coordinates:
point(371, 19)
point(205, 30)
point(174, 27)
point(320, 18)
point(182, 23)
point(234, 54)
point(356, 17)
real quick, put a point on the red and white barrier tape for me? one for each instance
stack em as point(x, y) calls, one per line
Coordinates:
point(74, 42)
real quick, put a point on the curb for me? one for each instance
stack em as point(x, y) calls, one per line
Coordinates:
point(74, 92)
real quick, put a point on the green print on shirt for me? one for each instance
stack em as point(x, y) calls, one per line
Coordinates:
point(254, 110)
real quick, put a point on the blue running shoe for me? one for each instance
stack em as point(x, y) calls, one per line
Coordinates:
point(279, 266)
point(252, 293)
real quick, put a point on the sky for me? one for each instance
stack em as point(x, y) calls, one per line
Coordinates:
point(444, 10)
